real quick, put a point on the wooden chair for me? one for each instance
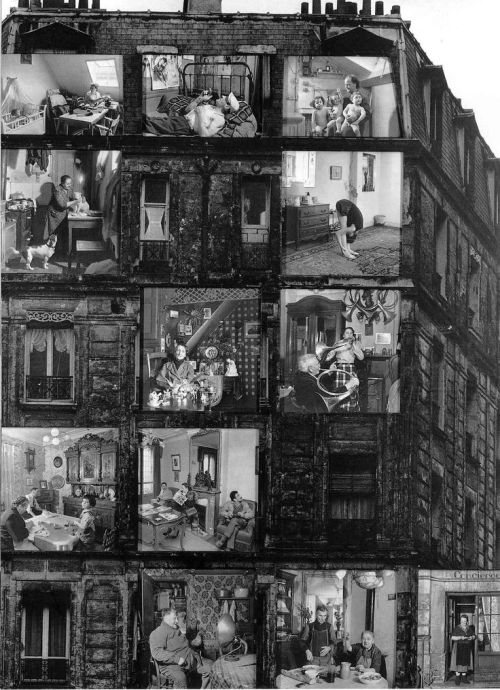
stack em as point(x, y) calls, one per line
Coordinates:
point(107, 127)
point(154, 358)
point(161, 681)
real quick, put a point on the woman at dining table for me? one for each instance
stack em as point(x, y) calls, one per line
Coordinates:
point(365, 654)
point(174, 372)
point(92, 97)
point(13, 530)
point(462, 650)
point(89, 519)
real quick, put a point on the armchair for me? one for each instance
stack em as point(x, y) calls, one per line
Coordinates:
point(245, 537)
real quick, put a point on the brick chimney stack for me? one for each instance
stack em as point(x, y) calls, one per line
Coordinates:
point(202, 6)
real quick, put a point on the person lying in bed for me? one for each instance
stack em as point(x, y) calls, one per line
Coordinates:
point(206, 115)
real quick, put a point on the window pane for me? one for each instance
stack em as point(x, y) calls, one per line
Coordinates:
point(103, 72)
point(154, 191)
point(57, 632)
point(33, 635)
point(38, 363)
point(254, 202)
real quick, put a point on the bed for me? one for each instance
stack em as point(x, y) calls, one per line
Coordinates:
point(222, 77)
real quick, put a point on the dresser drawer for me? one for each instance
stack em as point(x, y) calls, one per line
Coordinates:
point(313, 222)
point(317, 210)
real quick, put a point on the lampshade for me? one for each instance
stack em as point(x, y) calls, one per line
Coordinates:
point(54, 432)
point(46, 439)
point(226, 630)
point(55, 441)
point(340, 574)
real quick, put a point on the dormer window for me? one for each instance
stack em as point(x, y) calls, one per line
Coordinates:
point(466, 139)
point(434, 84)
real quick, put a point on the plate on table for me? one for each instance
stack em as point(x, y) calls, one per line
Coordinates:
point(369, 677)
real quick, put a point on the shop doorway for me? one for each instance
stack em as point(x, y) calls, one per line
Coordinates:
point(483, 612)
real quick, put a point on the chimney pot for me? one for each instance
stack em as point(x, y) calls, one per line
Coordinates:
point(341, 6)
point(316, 6)
point(351, 8)
point(396, 9)
point(329, 8)
point(96, 4)
point(367, 8)
point(83, 4)
point(304, 8)
point(24, 4)
point(379, 8)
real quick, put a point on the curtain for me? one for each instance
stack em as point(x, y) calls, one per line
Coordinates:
point(37, 339)
point(8, 474)
point(489, 622)
point(34, 628)
point(57, 632)
point(157, 450)
point(64, 340)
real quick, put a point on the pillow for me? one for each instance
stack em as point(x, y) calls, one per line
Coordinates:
point(57, 99)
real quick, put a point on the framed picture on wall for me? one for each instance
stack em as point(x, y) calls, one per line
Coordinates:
point(335, 172)
point(176, 463)
point(207, 313)
point(252, 329)
point(43, 484)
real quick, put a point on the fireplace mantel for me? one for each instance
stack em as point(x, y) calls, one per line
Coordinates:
point(212, 508)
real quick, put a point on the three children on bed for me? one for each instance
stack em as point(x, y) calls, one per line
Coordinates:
point(340, 117)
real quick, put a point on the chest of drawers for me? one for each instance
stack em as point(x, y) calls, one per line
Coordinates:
point(304, 223)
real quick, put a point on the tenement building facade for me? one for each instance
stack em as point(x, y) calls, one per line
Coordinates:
point(250, 353)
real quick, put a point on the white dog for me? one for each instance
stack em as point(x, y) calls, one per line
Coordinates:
point(40, 251)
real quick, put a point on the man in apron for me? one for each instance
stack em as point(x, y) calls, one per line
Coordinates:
point(320, 640)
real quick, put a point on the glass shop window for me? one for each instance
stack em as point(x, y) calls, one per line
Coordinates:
point(489, 624)
point(45, 635)
point(255, 202)
point(103, 72)
point(49, 364)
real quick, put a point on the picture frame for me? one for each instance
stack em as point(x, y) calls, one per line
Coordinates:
point(252, 329)
point(29, 481)
point(176, 463)
point(207, 313)
point(43, 484)
point(26, 59)
point(57, 461)
point(335, 172)
point(188, 329)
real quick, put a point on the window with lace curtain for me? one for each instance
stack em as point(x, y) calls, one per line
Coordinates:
point(45, 631)
point(49, 364)
point(146, 473)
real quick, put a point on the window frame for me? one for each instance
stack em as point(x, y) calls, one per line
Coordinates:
point(142, 461)
point(103, 83)
point(143, 206)
point(257, 226)
point(45, 657)
point(49, 364)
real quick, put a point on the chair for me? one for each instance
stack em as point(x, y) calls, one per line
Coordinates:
point(57, 105)
point(245, 537)
point(161, 681)
point(107, 127)
point(154, 359)
point(109, 538)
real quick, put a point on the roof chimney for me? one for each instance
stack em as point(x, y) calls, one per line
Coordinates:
point(83, 4)
point(202, 6)
point(379, 8)
point(341, 6)
point(367, 8)
point(24, 4)
point(351, 8)
point(304, 8)
point(329, 8)
point(96, 4)
point(316, 6)
point(396, 9)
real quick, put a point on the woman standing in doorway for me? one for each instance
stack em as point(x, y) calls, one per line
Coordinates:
point(462, 650)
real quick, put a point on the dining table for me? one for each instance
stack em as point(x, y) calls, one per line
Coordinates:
point(52, 532)
point(86, 119)
point(291, 679)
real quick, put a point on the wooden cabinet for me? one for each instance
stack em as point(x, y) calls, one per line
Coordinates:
point(92, 461)
point(46, 500)
point(304, 223)
point(106, 509)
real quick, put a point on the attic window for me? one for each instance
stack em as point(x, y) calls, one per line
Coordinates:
point(103, 73)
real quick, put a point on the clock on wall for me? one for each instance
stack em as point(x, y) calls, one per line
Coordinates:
point(58, 461)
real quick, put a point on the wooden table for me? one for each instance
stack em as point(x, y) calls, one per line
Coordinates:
point(61, 532)
point(154, 524)
point(352, 682)
point(79, 223)
point(85, 121)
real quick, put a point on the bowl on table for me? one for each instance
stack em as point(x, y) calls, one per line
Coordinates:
point(369, 678)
